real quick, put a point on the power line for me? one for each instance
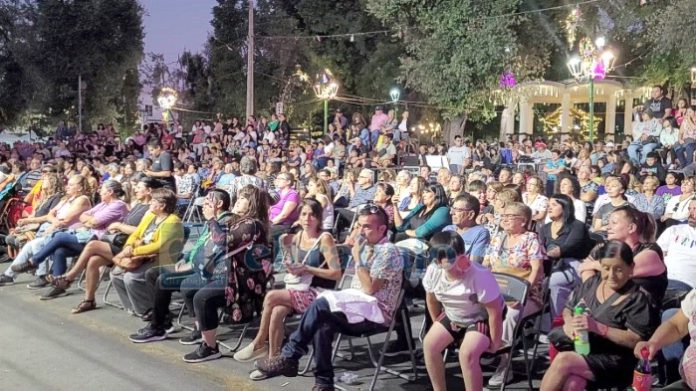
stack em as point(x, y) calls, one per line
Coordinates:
point(386, 31)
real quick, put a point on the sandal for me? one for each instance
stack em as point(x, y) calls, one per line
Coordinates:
point(84, 306)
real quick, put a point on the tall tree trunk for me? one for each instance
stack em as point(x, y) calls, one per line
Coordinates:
point(454, 127)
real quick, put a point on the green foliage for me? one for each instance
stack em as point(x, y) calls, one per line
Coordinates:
point(51, 42)
point(455, 50)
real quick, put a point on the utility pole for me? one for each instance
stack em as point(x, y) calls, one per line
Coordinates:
point(250, 63)
point(79, 103)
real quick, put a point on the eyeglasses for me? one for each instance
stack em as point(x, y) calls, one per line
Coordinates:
point(504, 217)
point(461, 210)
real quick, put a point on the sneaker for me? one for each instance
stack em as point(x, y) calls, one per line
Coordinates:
point(6, 280)
point(5, 258)
point(61, 282)
point(38, 283)
point(544, 339)
point(53, 293)
point(257, 375)
point(203, 353)
point(148, 334)
point(278, 366)
point(25, 267)
point(497, 379)
point(248, 354)
point(192, 339)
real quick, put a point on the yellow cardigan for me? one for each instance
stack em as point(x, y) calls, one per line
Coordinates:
point(168, 238)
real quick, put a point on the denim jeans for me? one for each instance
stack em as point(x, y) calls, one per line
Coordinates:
point(685, 153)
point(319, 324)
point(61, 246)
point(638, 151)
point(29, 249)
point(561, 284)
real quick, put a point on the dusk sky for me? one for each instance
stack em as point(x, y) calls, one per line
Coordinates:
point(174, 25)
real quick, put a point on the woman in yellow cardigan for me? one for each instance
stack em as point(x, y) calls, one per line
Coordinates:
point(158, 240)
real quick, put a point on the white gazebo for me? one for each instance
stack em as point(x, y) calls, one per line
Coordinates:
point(523, 96)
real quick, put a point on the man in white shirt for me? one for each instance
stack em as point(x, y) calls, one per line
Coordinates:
point(678, 243)
point(456, 155)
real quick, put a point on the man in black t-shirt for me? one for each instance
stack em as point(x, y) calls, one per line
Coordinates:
point(660, 105)
point(162, 167)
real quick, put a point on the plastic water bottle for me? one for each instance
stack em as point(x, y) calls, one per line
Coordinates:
point(642, 375)
point(582, 338)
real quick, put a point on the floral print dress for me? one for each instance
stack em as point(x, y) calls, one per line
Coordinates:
point(248, 271)
point(516, 260)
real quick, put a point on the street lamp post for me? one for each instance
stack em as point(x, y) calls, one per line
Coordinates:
point(167, 99)
point(326, 89)
point(593, 63)
point(395, 94)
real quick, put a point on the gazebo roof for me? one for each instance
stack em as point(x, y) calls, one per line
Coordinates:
point(552, 92)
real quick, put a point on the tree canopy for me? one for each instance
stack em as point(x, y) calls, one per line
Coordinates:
point(46, 45)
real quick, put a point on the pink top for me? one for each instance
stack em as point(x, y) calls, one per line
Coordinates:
point(287, 195)
point(378, 120)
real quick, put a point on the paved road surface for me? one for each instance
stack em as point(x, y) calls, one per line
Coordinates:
point(44, 347)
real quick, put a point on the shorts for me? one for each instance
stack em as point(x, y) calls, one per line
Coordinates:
point(301, 300)
point(458, 331)
point(611, 370)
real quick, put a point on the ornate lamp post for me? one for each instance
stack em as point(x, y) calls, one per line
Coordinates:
point(167, 99)
point(592, 63)
point(326, 88)
point(395, 94)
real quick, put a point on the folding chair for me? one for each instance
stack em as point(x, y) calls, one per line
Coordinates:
point(515, 289)
point(192, 213)
point(381, 329)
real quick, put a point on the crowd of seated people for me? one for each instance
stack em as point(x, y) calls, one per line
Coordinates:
point(575, 222)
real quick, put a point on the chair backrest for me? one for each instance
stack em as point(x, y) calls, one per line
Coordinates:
point(513, 288)
point(347, 277)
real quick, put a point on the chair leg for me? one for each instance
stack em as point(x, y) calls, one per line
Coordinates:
point(335, 349)
point(106, 295)
point(411, 348)
point(81, 280)
point(239, 340)
point(180, 317)
point(310, 357)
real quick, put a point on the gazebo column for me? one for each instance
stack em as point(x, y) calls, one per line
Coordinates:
point(610, 120)
point(628, 113)
point(566, 123)
point(526, 117)
point(507, 121)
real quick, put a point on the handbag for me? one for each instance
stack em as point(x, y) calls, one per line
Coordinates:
point(303, 282)
point(26, 228)
point(84, 235)
point(115, 239)
point(133, 262)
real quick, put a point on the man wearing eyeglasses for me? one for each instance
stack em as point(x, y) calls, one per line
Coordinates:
point(364, 193)
point(464, 211)
point(370, 302)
